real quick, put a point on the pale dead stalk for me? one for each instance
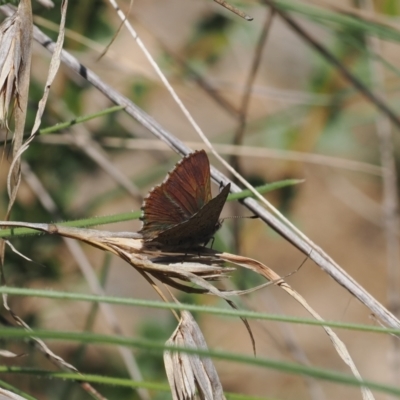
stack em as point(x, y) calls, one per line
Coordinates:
point(230, 149)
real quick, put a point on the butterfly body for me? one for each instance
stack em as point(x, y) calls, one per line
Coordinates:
point(181, 213)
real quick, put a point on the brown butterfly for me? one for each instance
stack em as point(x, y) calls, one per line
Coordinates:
point(181, 213)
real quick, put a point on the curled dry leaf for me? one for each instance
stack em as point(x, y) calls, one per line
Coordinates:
point(188, 372)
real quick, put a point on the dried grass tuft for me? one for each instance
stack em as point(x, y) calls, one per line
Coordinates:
point(12, 57)
point(190, 373)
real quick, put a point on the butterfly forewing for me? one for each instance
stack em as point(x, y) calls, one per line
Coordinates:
point(159, 213)
point(181, 212)
point(188, 185)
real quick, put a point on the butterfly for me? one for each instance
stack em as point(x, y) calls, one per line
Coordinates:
point(181, 213)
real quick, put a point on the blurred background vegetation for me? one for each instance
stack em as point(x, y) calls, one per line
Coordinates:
point(300, 107)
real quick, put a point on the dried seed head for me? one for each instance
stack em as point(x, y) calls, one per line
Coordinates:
point(13, 55)
point(190, 373)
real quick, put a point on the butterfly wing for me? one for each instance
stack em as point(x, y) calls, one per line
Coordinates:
point(184, 192)
point(198, 229)
point(188, 185)
point(159, 213)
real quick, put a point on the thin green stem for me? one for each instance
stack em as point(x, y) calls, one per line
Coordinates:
point(158, 347)
point(78, 120)
point(12, 291)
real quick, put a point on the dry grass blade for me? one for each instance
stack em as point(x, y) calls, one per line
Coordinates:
point(9, 354)
point(9, 66)
point(202, 283)
point(40, 345)
point(15, 64)
point(268, 273)
point(242, 151)
point(46, 3)
point(7, 395)
point(54, 65)
point(233, 9)
point(188, 372)
point(129, 246)
point(15, 54)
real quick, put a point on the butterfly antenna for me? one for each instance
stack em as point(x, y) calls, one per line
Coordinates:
point(298, 268)
point(240, 217)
